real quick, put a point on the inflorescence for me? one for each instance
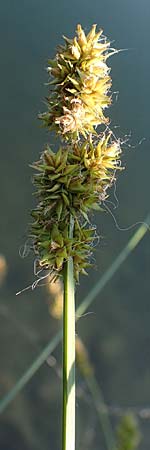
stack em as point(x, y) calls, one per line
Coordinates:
point(74, 180)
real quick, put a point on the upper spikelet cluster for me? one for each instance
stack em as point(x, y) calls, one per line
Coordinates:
point(75, 179)
point(81, 83)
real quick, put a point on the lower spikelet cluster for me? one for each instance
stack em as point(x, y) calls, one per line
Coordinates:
point(74, 180)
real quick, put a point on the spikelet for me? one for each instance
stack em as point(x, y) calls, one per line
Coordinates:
point(79, 89)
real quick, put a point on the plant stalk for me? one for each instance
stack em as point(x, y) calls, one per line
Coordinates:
point(68, 413)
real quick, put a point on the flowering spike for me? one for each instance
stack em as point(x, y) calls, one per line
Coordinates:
point(81, 81)
point(74, 180)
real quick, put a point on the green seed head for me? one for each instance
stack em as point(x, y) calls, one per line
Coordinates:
point(76, 178)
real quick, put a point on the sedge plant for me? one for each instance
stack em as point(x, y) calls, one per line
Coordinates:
point(73, 181)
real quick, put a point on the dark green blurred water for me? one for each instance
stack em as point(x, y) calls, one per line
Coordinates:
point(117, 333)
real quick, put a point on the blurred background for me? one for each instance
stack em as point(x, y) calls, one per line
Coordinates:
point(116, 333)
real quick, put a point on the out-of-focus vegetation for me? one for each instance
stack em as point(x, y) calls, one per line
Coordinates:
point(128, 433)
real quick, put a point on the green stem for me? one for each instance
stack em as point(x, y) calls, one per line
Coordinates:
point(99, 286)
point(68, 416)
